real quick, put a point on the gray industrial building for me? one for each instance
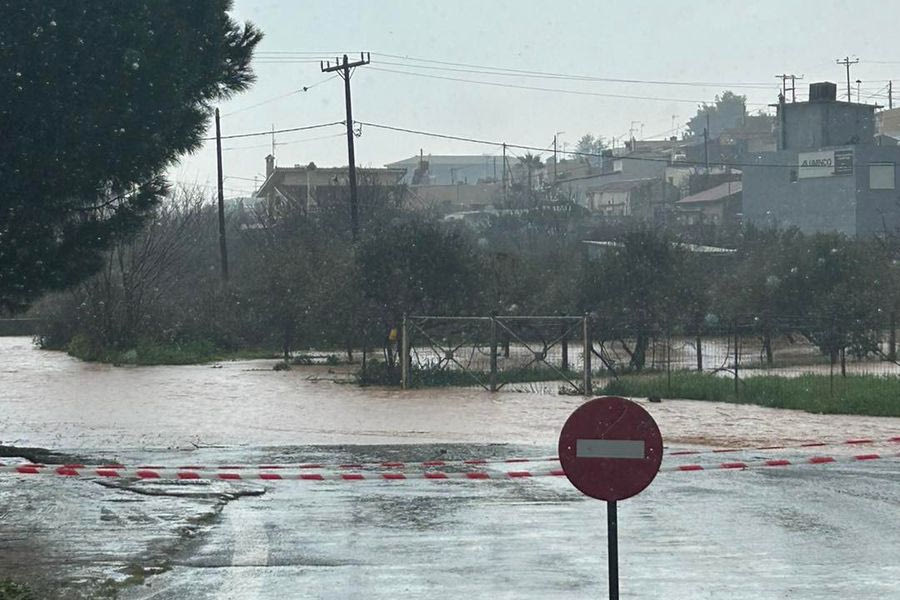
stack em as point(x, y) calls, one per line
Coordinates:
point(827, 174)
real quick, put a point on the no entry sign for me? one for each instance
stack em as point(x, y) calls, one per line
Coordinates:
point(610, 448)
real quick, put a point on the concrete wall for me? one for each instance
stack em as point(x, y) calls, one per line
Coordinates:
point(817, 204)
point(841, 203)
point(876, 210)
point(813, 125)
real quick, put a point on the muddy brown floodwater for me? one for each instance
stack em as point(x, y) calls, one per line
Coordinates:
point(52, 400)
point(804, 533)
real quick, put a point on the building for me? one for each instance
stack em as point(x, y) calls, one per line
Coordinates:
point(887, 122)
point(827, 173)
point(458, 197)
point(647, 199)
point(579, 183)
point(450, 169)
point(310, 187)
point(718, 205)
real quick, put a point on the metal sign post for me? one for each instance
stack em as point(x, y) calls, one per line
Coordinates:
point(611, 449)
point(612, 537)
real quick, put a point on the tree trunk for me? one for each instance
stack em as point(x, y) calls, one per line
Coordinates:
point(843, 362)
point(288, 339)
point(699, 353)
point(767, 346)
point(639, 356)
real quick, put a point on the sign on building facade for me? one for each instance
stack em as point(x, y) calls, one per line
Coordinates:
point(826, 163)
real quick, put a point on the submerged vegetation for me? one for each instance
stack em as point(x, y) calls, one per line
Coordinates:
point(852, 395)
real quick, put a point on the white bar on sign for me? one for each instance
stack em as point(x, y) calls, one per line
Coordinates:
point(609, 449)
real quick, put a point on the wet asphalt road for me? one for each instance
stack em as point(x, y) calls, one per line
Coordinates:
point(803, 533)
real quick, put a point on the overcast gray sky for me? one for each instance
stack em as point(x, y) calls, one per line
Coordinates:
point(707, 42)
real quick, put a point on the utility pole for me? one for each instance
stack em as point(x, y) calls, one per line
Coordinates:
point(631, 131)
point(890, 95)
point(706, 143)
point(847, 62)
point(343, 69)
point(858, 91)
point(505, 196)
point(223, 248)
point(784, 77)
point(555, 160)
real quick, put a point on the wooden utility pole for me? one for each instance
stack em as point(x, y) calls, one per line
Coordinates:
point(555, 160)
point(505, 195)
point(223, 247)
point(343, 69)
point(706, 144)
point(784, 77)
point(847, 62)
point(890, 95)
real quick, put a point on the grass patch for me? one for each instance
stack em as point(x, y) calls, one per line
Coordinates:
point(10, 590)
point(377, 373)
point(152, 353)
point(871, 395)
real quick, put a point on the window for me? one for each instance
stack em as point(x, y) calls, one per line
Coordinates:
point(881, 176)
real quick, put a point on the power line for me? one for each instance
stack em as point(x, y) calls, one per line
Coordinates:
point(271, 131)
point(543, 75)
point(288, 143)
point(569, 152)
point(305, 88)
point(760, 85)
point(302, 52)
point(556, 90)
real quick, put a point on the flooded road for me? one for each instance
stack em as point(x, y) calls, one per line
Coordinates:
point(820, 531)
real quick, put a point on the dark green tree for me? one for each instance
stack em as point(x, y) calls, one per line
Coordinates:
point(588, 144)
point(99, 98)
point(727, 112)
point(415, 267)
point(636, 289)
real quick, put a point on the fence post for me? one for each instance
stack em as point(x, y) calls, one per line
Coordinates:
point(892, 337)
point(404, 359)
point(669, 363)
point(565, 346)
point(493, 353)
point(588, 347)
point(737, 358)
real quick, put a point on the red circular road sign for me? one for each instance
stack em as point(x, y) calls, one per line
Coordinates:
point(610, 448)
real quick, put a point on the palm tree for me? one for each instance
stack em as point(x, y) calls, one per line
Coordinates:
point(531, 162)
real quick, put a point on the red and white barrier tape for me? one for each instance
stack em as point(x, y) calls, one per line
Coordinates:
point(280, 475)
point(401, 465)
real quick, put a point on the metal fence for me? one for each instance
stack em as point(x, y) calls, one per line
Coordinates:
point(494, 351)
point(747, 349)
